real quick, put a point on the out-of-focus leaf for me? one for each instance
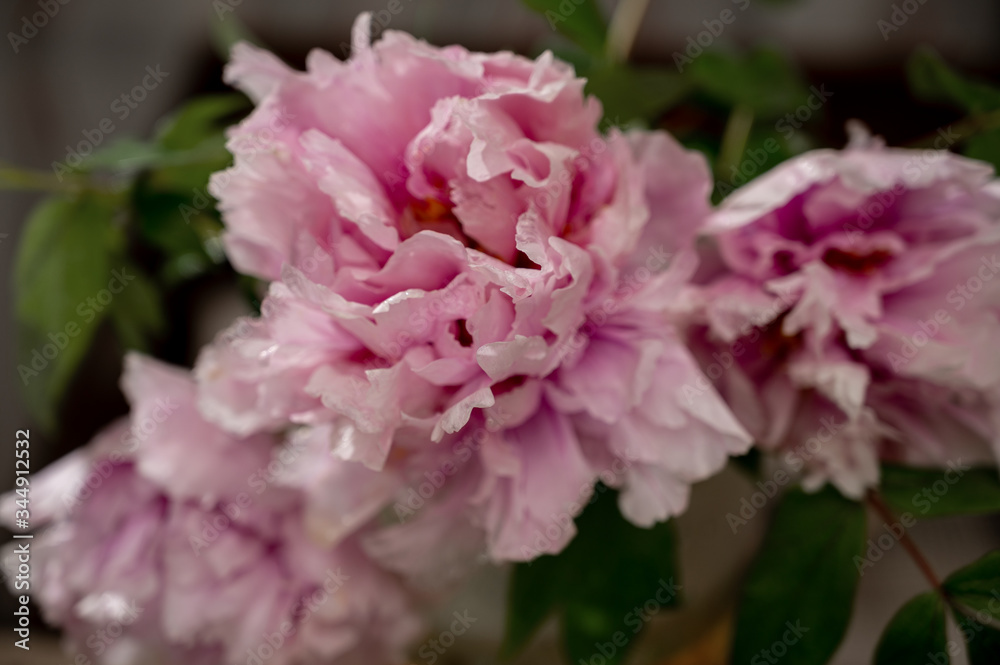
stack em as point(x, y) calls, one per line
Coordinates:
point(228, 29)
point(179, 227)
point(986, 147)
point(198, 130)
point(764, 81)
point(915, 633)
point(978, 584)
point(931, 79)
point(191, 180)
point(203, 118)
point(801, 586)
point(124, 155)
point(602, 585)
point(629, 93)
point(137, 312)
point(763, 151)
point(189, 146)
point(935, 493)
point(580, 20)
point(982, 643)
point(64, 267)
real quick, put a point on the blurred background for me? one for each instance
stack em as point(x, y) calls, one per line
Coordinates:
point(64, 79)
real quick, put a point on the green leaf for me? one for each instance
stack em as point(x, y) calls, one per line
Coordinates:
point(137, 312)
point(763, 151)
point(227, 30)
point(982, 643)
point(179, 226)
point(765, 82)
point(63, 266)
point(932, 80)
point(195, 139)
point(605, 585)
point(916, 632)
point(985, 146)
point(581, 21)
point(629, 93)
point(123, 155)
point(533, 594)
point(190, 141)
point(128, 157)
point(203, 118)
point(978, 584)
point(802, 584)
point(934, 493)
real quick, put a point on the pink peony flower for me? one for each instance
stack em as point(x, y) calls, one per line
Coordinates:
point(142, 554)
point(455, 250)
point(852, 312)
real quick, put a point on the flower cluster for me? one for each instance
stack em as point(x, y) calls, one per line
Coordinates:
point(478, 309)
point(167, 552)
point(851, 296)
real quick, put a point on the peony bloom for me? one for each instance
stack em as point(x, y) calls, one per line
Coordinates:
point(852, 310)
point(457, 255)
point(135, 561)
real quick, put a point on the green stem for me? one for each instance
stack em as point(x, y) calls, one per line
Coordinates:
point(963, 130)
point(15, 178)
point(624, 27)
point(734, 139)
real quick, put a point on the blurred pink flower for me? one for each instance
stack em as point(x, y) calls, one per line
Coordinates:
point(142, 554)
point(454, 248)
point(853, 294)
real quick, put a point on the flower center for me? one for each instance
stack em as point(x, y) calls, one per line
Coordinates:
point(431, 215)
point(863, 264)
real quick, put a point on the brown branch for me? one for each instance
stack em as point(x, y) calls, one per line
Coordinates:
point(875, 501)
